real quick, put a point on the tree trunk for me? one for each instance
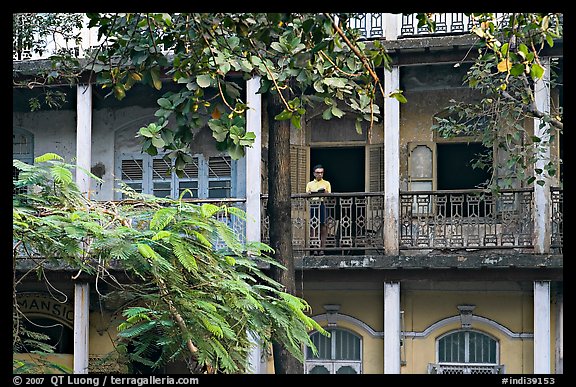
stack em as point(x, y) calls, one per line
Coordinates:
point(279, 210)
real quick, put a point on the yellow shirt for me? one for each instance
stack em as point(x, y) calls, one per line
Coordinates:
point(314, 185)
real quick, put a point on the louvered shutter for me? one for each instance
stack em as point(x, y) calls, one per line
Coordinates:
point(162, 178)
point(298, 168)
point(219, 176)
point(133, 173)
point(189, 180)
point(376, 168)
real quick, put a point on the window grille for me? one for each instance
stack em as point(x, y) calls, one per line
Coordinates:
point(466, 352)
point(341, 353)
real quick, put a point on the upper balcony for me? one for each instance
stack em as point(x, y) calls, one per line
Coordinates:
point(429, 221)
point(370, 25)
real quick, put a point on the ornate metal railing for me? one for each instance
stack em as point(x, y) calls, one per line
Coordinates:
point(474, 369)
point(557, 229)
point(466, 219)
point(354, 222)
point(372, 25)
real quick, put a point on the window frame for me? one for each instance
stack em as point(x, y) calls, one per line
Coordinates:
point(333, 364)
point(148, 180)
point(467, 348)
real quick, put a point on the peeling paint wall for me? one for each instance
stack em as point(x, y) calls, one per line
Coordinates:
point(113, 131)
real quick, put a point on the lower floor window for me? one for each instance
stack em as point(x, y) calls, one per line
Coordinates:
point(341, 353)
point(466, 352)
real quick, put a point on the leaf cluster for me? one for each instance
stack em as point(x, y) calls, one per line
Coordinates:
point(188, 299)
point(207, 57)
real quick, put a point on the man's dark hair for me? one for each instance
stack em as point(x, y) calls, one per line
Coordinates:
point(317, 166)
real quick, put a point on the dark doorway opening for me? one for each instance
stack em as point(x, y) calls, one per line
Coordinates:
point(343, 167)
point(454, 165)
point(455, 172)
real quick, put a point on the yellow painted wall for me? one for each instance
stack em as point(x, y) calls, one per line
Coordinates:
point(363, 305)
point(422, 308)
point(513, 310)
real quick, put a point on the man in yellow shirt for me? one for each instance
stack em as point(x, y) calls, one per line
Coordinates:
point(319, 185)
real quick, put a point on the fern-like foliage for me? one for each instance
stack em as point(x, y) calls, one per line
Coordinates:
point(181, 290)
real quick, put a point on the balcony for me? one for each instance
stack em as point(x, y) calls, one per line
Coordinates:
point(428, 220)
point(466, 219)
point(372, 25)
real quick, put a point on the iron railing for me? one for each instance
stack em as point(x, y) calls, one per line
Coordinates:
point(557, 216)
point(373, 25)
point(473, 369)
point(354, 222)
point(466, 219)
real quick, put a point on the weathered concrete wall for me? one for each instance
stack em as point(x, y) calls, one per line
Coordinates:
point(114, 130)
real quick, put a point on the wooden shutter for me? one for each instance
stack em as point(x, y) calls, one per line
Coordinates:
point(299, 160)
point(375, 168)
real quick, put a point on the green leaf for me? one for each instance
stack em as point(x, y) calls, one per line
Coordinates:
point(284, 115)
point(162, 218)
point(158, 142)
point(155, 75)
point(47, 157)
point(204, 80)
point(536, 71)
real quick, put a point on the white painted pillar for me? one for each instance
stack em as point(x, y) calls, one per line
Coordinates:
point(391, 162)
point(83, 136)
point(254, 359)
point(542, 192)
point(541, 327)
point(391, 327)
point(253, 188)
point(391, 23)
point(253, 160)
point(81, 313)
point(559, 369)
point(83, 161)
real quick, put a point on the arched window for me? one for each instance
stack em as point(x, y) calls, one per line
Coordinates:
point(341, 353)
point(466, 352)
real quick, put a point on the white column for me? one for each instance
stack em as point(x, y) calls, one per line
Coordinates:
point(542, 192)
point(83, 136)
point(81, 313)
point(391, 327)
point(255, 364)
point(391, 162)
point(559, 333)
point(541, 327)
point(391, 23)
point(253, 188)
point(253, 160)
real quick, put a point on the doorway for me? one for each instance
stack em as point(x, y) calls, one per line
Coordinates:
point(344, 167)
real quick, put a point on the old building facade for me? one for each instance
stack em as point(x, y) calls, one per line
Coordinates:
point(419, 275)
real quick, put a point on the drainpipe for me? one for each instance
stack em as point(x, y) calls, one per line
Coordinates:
point(83, 136)
point(81, 327)
point(391, 23)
